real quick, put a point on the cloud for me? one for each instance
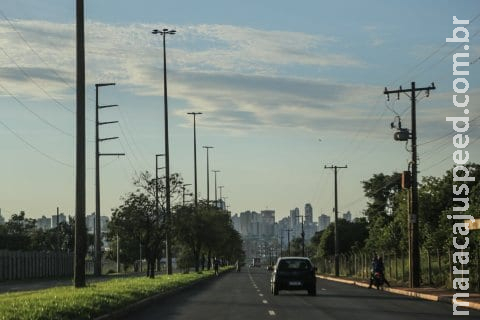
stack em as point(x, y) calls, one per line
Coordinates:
point(236, 74)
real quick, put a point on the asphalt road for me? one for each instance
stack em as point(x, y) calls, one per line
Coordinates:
point(246, 295)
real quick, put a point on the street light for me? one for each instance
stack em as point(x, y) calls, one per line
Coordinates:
point(195, 154)
point(215, 171)
point(221, 188)
point(183, 189)
point(208, 176)
point(156, 183)
point(167, 153)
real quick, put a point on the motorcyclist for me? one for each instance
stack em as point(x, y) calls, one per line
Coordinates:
point(373, 269)
point(380, 268)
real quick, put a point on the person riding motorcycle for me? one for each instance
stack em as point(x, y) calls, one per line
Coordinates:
point(378, 267)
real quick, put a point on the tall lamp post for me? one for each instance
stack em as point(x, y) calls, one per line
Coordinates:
point(208, 176)
point(216, 199)
point(195, 154)
point(167, 153)
point(183, 189)
point(220, 199)
point(156, 183)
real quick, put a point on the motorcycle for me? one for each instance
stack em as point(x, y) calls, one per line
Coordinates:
point(378, 280)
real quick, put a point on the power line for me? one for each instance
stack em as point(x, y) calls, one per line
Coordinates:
point(34, 113)
point(33, 50)
point(35, 82)
point(35, 148)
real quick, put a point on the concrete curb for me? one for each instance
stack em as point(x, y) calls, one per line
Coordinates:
point(420, 295)
point(120, 313)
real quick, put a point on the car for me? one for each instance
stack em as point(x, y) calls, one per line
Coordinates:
point(294, 273)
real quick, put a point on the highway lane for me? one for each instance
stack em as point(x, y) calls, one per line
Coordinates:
point(246, 295)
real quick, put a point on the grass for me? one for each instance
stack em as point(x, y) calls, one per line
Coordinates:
point(92, 301)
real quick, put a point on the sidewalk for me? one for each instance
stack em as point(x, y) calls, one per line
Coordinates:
point(432, 294)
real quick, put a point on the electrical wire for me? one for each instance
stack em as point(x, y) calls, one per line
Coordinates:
point(46, 155)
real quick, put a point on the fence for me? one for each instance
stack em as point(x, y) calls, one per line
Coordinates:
point(436, 268)
point(17, 265)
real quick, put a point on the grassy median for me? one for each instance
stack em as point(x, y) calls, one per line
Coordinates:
point(92, 301)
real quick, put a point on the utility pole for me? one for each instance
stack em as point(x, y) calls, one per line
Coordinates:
point(303, 236)
point(183, 189)
point(194, 114)
point(58, 230)
point(168, 245)
point(118, 254)
point(80, 227)
point(216, 199)
point(288, 240)
point(221, 205)
point(97, 270)
point(337, 268)
point(208, 176)
point(413, 229)
point(281, 243)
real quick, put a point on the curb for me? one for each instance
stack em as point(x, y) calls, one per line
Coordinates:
point(424, 296)
point(120, 313)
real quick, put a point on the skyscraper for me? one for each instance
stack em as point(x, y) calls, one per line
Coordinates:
point(323, 222)
point(308, 213)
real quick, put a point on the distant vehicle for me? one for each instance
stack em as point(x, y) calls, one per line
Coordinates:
point(256, 263)
point(294, 273)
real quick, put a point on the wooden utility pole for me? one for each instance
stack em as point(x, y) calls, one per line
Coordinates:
point(413, 230)
point(337, 267)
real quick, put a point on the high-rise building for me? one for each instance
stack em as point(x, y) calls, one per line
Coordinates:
point(308, 213)
point(2, 219)
point(348, 216)
point(61, 218)
point(268, 222)
point(90, 223)
point(294, 217)
point(43, 223)
point(323, 222)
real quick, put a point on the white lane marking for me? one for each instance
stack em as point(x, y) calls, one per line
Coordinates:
point(271, 312)
point(323, 289)
point(260, 294)
point(265, 301)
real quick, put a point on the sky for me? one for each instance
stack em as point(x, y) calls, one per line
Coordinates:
point(285, 88)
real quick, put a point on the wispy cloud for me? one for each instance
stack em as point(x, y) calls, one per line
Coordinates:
point(237, 73)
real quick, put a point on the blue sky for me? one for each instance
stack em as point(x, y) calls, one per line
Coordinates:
point(271, 78)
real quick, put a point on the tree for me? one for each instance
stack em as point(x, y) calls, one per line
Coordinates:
point(351, 235)
point(137, 219)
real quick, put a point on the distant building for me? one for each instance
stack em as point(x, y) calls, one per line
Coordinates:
point(308, 213)
point(347, 216)
point(323, 222)
point(267, 223)
point(43, 223)
point(90, 222)
point(2, 219)
point(294, 217)
point(61, 218)
point(236, 222)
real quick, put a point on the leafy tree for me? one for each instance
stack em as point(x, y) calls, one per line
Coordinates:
point(352, 235)
point(137, 219)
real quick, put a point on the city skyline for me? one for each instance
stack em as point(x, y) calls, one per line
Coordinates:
point(284, 89)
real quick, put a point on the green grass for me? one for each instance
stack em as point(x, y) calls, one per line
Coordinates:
point(92, 301)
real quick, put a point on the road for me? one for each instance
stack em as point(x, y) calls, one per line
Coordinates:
point(246, 295)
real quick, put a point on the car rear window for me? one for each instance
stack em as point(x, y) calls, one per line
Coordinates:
point(293, 264)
